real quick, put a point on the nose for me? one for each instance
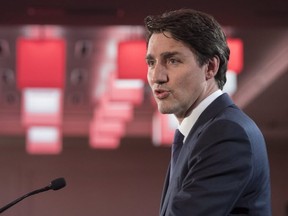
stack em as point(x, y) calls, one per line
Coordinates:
point(157, 74)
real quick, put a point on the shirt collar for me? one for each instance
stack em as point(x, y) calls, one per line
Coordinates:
point(190, 120)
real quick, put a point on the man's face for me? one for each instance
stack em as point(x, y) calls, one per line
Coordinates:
point(174, 75)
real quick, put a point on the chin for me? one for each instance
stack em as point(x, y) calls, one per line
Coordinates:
point(164, 110)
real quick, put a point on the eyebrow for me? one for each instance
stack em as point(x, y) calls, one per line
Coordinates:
point(167, 55)
point(149, 57)
point(164, 55)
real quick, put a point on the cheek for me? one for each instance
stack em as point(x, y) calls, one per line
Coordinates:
point(186, 81)
point(189, 84)
point(149, 78)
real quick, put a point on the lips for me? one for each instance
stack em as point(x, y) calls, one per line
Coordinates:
point(161, 94)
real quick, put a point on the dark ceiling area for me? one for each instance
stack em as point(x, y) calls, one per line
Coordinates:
point(127, 12)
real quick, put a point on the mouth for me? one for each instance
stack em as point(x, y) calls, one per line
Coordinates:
point(161, 94)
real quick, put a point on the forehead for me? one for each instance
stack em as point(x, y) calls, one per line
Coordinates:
point(163, 42)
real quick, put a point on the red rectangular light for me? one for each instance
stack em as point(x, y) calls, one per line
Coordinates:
point(131, 60)
point(41, 106)
point(104, 142)
point(40, 62)
point(236, 54)
point(43, 140)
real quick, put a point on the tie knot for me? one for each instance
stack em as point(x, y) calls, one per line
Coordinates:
point(178, 137)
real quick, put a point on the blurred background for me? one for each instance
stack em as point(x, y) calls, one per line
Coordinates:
point(74, 101)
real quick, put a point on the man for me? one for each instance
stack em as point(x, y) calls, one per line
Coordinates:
point(222, 168)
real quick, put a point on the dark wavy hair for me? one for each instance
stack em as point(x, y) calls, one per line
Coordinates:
point(200, 31)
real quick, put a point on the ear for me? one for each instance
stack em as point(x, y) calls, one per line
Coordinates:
point(212, 67)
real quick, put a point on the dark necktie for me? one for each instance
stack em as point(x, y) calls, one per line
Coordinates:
point(176, 148)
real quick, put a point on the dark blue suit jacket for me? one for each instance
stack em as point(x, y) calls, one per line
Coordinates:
point(222, 168)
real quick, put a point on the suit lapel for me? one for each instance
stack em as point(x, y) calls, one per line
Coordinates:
point(208, 114)
point(165, 188)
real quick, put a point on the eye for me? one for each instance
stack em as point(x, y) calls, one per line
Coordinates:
point(150, 62)
point(173, 61)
